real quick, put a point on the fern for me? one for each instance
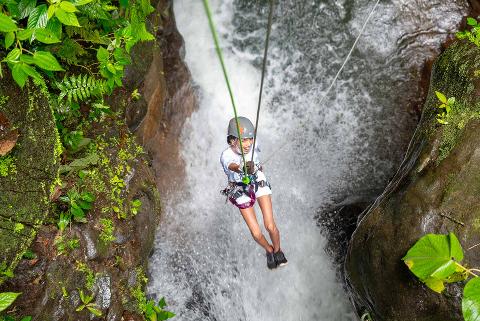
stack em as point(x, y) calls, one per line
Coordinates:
point(70, 51)
point(80, 87)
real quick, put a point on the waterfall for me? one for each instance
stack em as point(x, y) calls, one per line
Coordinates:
point(205, 262)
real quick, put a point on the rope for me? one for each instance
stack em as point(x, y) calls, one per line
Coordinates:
point(338, 73)
point(224, 69)
point(264, 67)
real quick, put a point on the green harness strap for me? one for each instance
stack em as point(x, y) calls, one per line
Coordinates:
point(246, 179)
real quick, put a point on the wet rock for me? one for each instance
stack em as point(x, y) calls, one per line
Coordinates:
point(104, 291)
point(25, 188)
point(436, 190)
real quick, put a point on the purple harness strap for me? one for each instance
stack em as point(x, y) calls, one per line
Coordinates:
point(251, 195)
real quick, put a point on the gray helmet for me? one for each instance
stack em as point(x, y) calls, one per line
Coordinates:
point(245, 125)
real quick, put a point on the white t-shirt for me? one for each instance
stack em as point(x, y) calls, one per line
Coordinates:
point(229, 156)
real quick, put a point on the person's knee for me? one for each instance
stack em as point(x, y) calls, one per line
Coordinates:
point(257, 235)
point(271, 227)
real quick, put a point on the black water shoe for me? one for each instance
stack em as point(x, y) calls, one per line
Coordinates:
point(271, 263)
point(280, 259)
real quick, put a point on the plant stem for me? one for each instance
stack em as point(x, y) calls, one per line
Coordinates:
point(469, 271)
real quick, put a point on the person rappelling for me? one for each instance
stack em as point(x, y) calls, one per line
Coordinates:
point(247, 184)
point(246, 181)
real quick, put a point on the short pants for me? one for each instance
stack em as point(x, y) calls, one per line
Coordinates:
point(244, 196)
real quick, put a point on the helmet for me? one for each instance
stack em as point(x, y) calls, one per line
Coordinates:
point(245, 125)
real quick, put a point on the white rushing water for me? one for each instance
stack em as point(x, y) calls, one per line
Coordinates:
point(205, 262)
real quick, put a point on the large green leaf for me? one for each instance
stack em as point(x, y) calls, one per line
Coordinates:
point(67, 6)
point(19, 75)
point(471, 300)
point(6, 299)
point(434, 256)
point(54, 26)
point(24, 34)
point(9, 39)
point(26, 7)
point(13, 55)
point(47, 61)
point(38, 17)
point(67, 18)
point(46, 36)
point(7, 24)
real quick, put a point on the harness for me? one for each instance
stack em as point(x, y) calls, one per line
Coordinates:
point(234, 190)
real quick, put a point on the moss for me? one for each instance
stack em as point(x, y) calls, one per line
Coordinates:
point(24, 192)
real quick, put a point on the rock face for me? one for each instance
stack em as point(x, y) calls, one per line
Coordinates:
point(25, 185)
point(167, 96)
point(436, 190)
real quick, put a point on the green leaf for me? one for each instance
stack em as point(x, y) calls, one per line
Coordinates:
point(26, 7)
point(81, 2)
point(441, 97)
point(451, 101)
point(67, 18)
point(124, 3)
point(77, 211)
point(27, 318)
point(28, 59)
point(95, 311)
point(434, 256)
point(6, 299)
point(435, 284)
point(102, 54)
point(51, 10)
point(38, 17)
point(13, 55)
point(47, 61)
point(471, 21)
point(471, 300)
point(9, 39)
point(46, 36)
point(54, 26)
point(24, 34)
point(89, 197)
point(85, 205)
point(162, 303)
point(121, 56)
point(29, 70)
point(19, 75)
point(68, 6)
point(7, 24)
point(111, 68)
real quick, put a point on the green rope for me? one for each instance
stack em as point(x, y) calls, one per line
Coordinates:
point(224, 69)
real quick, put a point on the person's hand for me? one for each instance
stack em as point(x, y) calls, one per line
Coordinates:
point(250, 167)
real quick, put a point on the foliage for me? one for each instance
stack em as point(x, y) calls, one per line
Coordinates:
point(472, 35)
point(37, 34)
point(445, 107)
point(74, 140)
point(79, 164)
point(80, 88)
point(7, 165)
point(89, 274)
point(106, 234)
point(6, 299)
point(78, 205)
point(155, 312)
point(435, 260)
point(135, 206)
point(64, 246)
point(87, 303)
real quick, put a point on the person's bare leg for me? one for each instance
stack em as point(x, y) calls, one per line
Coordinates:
point(251, 220)
point(265, 203)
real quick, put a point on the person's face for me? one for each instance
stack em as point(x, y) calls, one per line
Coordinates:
point(247, 144)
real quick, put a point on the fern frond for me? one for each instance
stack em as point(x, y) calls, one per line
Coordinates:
point(80, 87)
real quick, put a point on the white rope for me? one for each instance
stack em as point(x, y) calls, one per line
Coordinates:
point(339, 71)
point(350, 52)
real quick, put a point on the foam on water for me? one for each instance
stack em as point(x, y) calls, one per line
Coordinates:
point(205, 262)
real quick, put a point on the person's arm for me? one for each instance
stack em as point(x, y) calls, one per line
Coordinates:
point(239, 168)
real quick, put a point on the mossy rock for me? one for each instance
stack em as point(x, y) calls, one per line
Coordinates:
point(435, 191)
point(24, 192)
